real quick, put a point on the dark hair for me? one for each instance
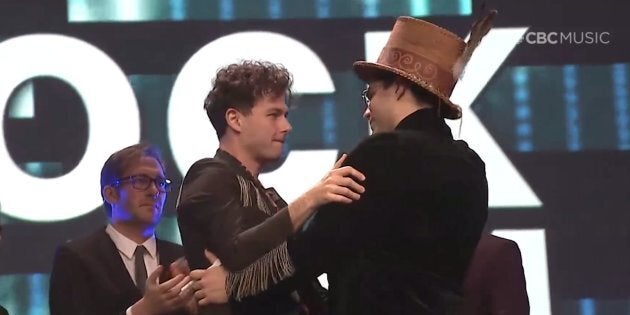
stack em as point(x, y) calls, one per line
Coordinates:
point(119, 162)
point(239, 85)
point(420, 93)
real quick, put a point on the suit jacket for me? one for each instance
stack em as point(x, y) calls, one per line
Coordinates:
point(404, 247)
point(90, 278)
point(495, 281)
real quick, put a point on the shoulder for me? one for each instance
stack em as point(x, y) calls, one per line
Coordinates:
point(208, 175)
point(84, 247)
point(499, 250)
point(167, 245)
point(493, 243)
point(388, 142)
point(208, 184)
point(380, 144)
point(406, 146)
point(169, 251)
point(88, 242)
point(412, 147)
point(208, 166)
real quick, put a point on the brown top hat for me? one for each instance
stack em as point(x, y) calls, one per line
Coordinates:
point(428, 56)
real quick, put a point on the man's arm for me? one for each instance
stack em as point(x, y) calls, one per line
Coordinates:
point(340, 185)
point(327, 237)
point(214, 214)
point(333, 231)
point(211, 215)
point(312, 249)
point(211, 204)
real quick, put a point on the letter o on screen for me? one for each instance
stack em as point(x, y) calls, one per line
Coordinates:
point(113, 123)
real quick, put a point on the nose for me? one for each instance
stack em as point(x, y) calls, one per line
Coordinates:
point(367, 113)
point(153, 190)
point(286, 128)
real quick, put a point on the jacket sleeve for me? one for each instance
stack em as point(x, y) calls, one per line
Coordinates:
point(70, 288)
point(335, 230)
point(215, 212)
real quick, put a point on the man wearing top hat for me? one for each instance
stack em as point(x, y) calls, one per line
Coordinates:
point(405, 245)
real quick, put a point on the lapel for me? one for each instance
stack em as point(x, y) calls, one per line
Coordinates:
point(269, 195)
point(167, 253)
point(165, 258)
point(116, 271)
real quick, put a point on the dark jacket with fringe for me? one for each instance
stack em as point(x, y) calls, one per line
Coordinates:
point(224, 209)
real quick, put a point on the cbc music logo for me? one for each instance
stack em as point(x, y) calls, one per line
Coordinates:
point(566, 38)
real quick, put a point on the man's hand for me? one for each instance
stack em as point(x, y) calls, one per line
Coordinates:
point(340, 184)
point(209, 284)
point(162, 298)
point(179, 267)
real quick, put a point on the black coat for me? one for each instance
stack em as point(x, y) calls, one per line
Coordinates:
point(404, 247)
point(90, 278)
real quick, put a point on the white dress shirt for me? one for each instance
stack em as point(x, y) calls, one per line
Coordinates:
point(127, 247)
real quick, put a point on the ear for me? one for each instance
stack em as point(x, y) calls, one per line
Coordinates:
point(401, 89)
point(111, 194)
point(233, 119)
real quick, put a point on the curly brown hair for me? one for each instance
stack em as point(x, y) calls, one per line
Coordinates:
point(240, 85)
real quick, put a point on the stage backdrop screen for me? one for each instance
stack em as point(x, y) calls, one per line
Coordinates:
point(545, 101)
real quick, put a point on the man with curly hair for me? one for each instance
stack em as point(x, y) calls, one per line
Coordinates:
point(225, 209)
point(405, 246)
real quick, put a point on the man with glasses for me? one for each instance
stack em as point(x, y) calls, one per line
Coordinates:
point(123, 268)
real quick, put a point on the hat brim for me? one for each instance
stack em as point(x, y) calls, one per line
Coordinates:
point(369, 71)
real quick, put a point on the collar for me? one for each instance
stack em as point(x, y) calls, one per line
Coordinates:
point(127, 246)
point(240, 169)
point(237, 166)
point(426, 120)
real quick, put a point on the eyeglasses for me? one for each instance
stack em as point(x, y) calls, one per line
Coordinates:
point(366, 99)
point(143, 182)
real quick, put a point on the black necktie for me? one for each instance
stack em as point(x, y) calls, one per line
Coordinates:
point(141, 269)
